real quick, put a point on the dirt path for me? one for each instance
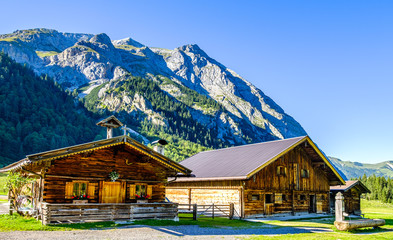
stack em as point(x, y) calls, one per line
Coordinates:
point(4, 208)
point(150, 233)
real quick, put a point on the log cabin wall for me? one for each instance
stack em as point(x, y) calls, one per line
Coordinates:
point(94, 168)
point(206, 192)
point(352, 201)
point(272, 191)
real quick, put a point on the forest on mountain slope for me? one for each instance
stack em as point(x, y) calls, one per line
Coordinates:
point(37, 115)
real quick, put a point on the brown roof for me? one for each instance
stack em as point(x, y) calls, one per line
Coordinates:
point(349, 185)
point(243, 161)
point(91, 146)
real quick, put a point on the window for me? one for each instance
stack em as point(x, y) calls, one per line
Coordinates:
point(284, 197)
point(281, 171)
point(140, 190)
point(255, 197)
point(305, 173)
point(302, 197)
point(80, 188)
point(269, 198)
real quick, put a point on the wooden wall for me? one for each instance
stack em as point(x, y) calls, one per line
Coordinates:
point(290, 192)
point(205, 196)
point(297, 189)
point(95, 167)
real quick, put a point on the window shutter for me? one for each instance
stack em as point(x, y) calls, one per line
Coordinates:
point(278, 198)
point(285, 170)
point(91, 190)
point(132, 191)
point(69, 188)
point(278, 170)
point(149, 191)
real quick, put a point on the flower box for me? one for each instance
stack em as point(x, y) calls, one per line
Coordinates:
point(80, 201)
point(142, 200)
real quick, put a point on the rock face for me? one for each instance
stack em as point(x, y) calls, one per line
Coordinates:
point(80, 60)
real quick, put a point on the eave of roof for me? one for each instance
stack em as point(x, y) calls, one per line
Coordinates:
point(272, 159)
point(349, 185)
point(96, 145)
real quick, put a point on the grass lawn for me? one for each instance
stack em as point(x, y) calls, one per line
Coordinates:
point(372, 209)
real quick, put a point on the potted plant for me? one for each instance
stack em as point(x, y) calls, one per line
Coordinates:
point(82, 199)
point(114, 176)
point(142, 198)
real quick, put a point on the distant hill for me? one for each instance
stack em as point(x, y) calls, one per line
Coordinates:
point(357, 169)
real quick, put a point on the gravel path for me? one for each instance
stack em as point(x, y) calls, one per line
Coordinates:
point(4, 208)
point(147, 232)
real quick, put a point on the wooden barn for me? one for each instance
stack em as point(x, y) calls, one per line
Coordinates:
point(290, 176)
point(110, 179)
point(351, 192)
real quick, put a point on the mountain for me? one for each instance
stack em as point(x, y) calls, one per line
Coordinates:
point(181, 94)
point(38, 115)
point(357, 169)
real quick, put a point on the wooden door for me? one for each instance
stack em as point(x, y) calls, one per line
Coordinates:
point(112, 192)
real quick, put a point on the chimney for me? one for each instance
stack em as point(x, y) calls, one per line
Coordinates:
point(110, 123)
point(160, 146)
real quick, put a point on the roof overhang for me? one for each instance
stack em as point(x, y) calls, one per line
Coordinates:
point(315, 148)
point(92, 146)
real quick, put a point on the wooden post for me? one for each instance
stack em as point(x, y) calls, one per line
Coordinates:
point(339, 207)
point(194, 212)
point(231, 210)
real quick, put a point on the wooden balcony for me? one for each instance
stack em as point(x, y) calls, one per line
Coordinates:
point(90, 212)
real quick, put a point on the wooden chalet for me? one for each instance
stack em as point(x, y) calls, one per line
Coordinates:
point(114, 178)
point(290, 176)
point(351, 192)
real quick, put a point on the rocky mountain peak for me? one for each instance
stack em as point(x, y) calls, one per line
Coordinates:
point(192, 48)
point(225, 102)
point(101, 38)
point(128, 41)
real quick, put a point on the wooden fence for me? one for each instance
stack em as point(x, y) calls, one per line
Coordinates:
point(72, 213)
point(209, 211)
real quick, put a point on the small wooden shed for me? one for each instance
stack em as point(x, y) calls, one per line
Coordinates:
point(290, 176)
point(351, 190)
point(114, 178)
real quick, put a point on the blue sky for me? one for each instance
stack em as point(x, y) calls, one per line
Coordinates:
point(329, 64)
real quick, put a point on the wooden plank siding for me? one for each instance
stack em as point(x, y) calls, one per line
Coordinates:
point(288, 192)
point(95, 167)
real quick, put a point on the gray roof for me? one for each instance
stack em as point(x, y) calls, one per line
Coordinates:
point(244, 161)
point(235, 162)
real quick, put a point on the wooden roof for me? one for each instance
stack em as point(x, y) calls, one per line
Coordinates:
point(111, 121)
point(358, 185)
point(243, 162)
point(91, 146)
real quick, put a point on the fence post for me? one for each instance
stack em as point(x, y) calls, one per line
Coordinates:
point(231, 210)
point(213, 210)
point(194, 211)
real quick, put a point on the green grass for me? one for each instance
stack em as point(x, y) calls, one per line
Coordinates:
point(46, 53)
point(372, 209)
point(10, 39)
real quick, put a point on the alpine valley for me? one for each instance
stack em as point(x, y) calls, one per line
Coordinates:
point(57, 85)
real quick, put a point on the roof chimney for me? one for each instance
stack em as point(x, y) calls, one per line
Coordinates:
point(159, 146)
point(110, 123)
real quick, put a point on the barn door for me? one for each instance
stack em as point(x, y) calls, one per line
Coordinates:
point(112, 192)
